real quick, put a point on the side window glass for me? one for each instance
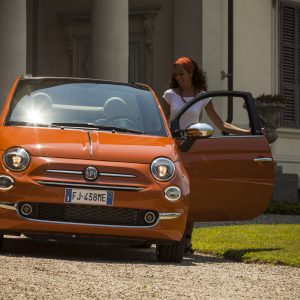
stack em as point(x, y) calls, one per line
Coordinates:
point(238, 115)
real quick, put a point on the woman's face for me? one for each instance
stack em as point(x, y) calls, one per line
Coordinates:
point(182, 76)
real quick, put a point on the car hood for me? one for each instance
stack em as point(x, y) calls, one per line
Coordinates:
point(84, 144)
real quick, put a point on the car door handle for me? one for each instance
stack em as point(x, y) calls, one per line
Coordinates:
point(263, 159)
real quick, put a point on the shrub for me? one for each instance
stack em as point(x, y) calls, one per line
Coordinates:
point(271, 99)
point(284, 208)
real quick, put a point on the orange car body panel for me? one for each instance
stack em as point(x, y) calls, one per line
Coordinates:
point(45, 147)
point(226, 183)
point(51, 142)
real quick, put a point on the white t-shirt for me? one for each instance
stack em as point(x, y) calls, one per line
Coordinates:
point(176, 103)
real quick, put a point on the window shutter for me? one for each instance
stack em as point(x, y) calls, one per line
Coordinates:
point(290, 63)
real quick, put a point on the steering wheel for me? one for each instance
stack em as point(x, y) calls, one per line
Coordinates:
point(124, 122)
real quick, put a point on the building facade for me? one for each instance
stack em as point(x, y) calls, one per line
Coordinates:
point(137, 40)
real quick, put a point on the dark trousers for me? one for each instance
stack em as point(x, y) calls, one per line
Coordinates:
point(188, 233)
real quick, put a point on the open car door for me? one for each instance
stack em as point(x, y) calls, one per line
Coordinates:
point(231, 176)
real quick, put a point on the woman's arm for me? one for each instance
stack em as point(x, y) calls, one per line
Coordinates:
point(222, 125)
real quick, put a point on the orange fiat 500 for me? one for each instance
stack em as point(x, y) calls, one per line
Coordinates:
point(91, 158)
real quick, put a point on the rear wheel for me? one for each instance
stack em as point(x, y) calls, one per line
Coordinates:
point(171, 253)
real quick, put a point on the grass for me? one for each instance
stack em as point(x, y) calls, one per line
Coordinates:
point(277, 244)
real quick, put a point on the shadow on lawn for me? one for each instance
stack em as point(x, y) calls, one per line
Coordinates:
point(240, 253)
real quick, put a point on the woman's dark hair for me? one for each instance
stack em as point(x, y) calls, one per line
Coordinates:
point(198, 79)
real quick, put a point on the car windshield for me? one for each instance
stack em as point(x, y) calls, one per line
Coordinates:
point(85, 104)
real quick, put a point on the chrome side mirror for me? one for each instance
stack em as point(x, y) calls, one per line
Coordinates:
point(199, 130)
point(194, 132)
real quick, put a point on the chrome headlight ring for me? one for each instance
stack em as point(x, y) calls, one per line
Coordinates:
point(16, 159)
point(162, 169)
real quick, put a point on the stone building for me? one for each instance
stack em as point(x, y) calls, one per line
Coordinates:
point(137, 40)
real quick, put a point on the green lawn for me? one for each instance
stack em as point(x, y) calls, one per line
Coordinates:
point(279, 243)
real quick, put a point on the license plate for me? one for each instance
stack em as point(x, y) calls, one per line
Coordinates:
point(93, 197)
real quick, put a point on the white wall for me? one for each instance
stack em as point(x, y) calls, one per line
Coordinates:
point(214, 43)
point(253, 45)
point(214, 47)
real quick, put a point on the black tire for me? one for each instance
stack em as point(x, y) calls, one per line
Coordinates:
point(171, 253)
point(1, 242)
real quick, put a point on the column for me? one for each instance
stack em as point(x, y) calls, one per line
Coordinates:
point(12, 44)
point(110, 40)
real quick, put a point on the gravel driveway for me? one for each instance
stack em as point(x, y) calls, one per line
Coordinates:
point(52, 270)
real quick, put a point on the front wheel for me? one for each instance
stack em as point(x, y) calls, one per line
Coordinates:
point(171, 253)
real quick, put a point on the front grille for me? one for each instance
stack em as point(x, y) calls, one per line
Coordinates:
point(88, 214)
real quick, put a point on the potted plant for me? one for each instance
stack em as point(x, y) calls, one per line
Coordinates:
point(269, 108)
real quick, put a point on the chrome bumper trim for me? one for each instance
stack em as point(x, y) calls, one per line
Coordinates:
point(168, 216)
point(162, 216)
point(86, 224)
point(95, 186)
point(100, 173)
point(263, 159)
point(7, 205)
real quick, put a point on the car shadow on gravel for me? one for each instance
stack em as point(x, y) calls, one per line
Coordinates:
point(92, 252)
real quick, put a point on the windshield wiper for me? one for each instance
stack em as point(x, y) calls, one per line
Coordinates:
point(120, 129)
point(92, 126)
point(63, 125)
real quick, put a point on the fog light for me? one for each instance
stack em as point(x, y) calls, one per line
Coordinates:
point(149, 217)
point(6, 182)
point(26, 209)
point(172, 193)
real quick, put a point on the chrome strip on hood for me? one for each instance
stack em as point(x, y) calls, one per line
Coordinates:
point(91, 144)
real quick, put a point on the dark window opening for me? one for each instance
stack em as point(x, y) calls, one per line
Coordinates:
point(290, 62)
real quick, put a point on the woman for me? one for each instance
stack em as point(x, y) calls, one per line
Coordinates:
point(188, 81)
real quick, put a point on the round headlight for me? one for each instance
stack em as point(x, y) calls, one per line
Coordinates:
point(16, 159)
point(162, 169)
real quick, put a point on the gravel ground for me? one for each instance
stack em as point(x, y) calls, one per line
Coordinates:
point(52, 270)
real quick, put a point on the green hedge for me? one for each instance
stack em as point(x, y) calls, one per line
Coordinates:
point(284, 208)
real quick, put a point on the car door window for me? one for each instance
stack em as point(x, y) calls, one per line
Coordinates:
point(238, 116)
